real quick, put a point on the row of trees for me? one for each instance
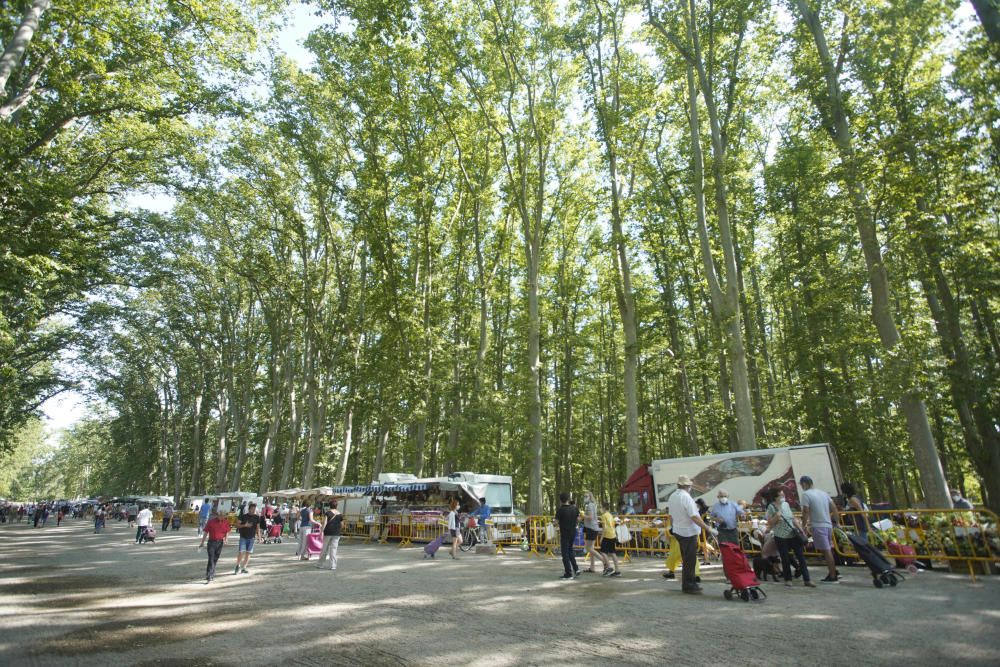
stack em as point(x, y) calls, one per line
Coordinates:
point(550, 239)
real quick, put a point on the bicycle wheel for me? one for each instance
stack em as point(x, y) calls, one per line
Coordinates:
point(468, 539)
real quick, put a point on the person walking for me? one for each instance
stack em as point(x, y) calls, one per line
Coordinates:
point(249, 523)
point(203, 513)
point(294, 517)
point(727, 515)
point(854, 503)
point(143, 520)
point(283, 514)
point(566, 518)
point(591, 532)
point(131, 512)
point(99, 518)
point(819, 516)
point(782, 524)
point(674, 559)
point(216, 530)
point(168, 514)
point(332, 524)
point(609, 549)
point(454, 529)
point(687, 525)
point(706, 548)
point(304, 528)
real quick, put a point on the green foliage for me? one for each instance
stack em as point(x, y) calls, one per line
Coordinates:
point(361, 245)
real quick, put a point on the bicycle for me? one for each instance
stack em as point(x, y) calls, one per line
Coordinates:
point(470, 537)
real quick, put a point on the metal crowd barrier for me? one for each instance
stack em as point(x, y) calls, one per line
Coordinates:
point(964, 539)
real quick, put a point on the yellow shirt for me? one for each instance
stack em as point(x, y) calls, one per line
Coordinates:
point(607, 526)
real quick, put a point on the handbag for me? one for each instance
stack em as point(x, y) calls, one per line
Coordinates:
point(797, 530)
point(622, 534)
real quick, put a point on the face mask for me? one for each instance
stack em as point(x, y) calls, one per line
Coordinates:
point(724, 501)
point(956, 497)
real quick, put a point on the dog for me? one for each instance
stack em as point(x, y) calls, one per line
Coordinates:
point(766, 567)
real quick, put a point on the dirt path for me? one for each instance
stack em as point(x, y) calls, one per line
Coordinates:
point(69, 597)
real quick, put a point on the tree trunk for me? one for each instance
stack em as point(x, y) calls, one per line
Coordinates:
point(294, 421)
point(315, 406)
point(274, 423)
point(175, 436)
point(195, 487)
point(222, 452)
point(164, 458)
point(384, 428)
point(534, 387)
point(14, 51)
point(921, 439)
point(989, 15)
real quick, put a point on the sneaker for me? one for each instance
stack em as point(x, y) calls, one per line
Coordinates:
point(236, 570)
point(697, 590)
point(616, 573)
point(566, 576)
point(576, 574)
point(244, 571)
point(669, 575)
point(808, 584)
point(788, 583)
point(829, 580)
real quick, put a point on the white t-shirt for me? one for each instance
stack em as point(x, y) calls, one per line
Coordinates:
point(681, 507)
point(144, 516)
point(590, 515)
point(817, 503)
point(453, 520)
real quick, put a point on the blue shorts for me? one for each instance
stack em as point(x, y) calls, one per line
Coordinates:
point(246, 544)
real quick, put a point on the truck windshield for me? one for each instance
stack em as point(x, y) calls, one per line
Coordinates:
point(498, 497)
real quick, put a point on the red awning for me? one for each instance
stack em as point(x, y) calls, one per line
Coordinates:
point(641, 479)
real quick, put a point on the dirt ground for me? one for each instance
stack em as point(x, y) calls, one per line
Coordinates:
point(70, 597)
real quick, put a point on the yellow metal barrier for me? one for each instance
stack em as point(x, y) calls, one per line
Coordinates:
point(962, 538)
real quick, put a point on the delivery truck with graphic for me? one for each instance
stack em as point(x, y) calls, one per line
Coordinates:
point(744, 475)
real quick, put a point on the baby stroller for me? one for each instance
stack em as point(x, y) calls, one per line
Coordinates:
point(175, 522)
point(273, 535)
point(882, 570)
point(148, 534)
point(743, 582)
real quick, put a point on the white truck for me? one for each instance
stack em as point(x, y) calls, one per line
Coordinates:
point(746, 475)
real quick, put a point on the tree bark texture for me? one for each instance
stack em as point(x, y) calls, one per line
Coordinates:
point(932, 479)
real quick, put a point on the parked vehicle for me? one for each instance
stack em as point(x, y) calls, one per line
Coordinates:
point(745, 475)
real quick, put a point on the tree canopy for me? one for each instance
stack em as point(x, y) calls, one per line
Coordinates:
point(540, 238)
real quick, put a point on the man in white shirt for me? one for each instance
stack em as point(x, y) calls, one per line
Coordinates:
point(819, 513)
point(142, 520)
point(686, 525)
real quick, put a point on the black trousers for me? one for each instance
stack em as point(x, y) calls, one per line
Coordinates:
point(791, 544)
point(214, 551)
point(568, 555)
point(689, 560)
